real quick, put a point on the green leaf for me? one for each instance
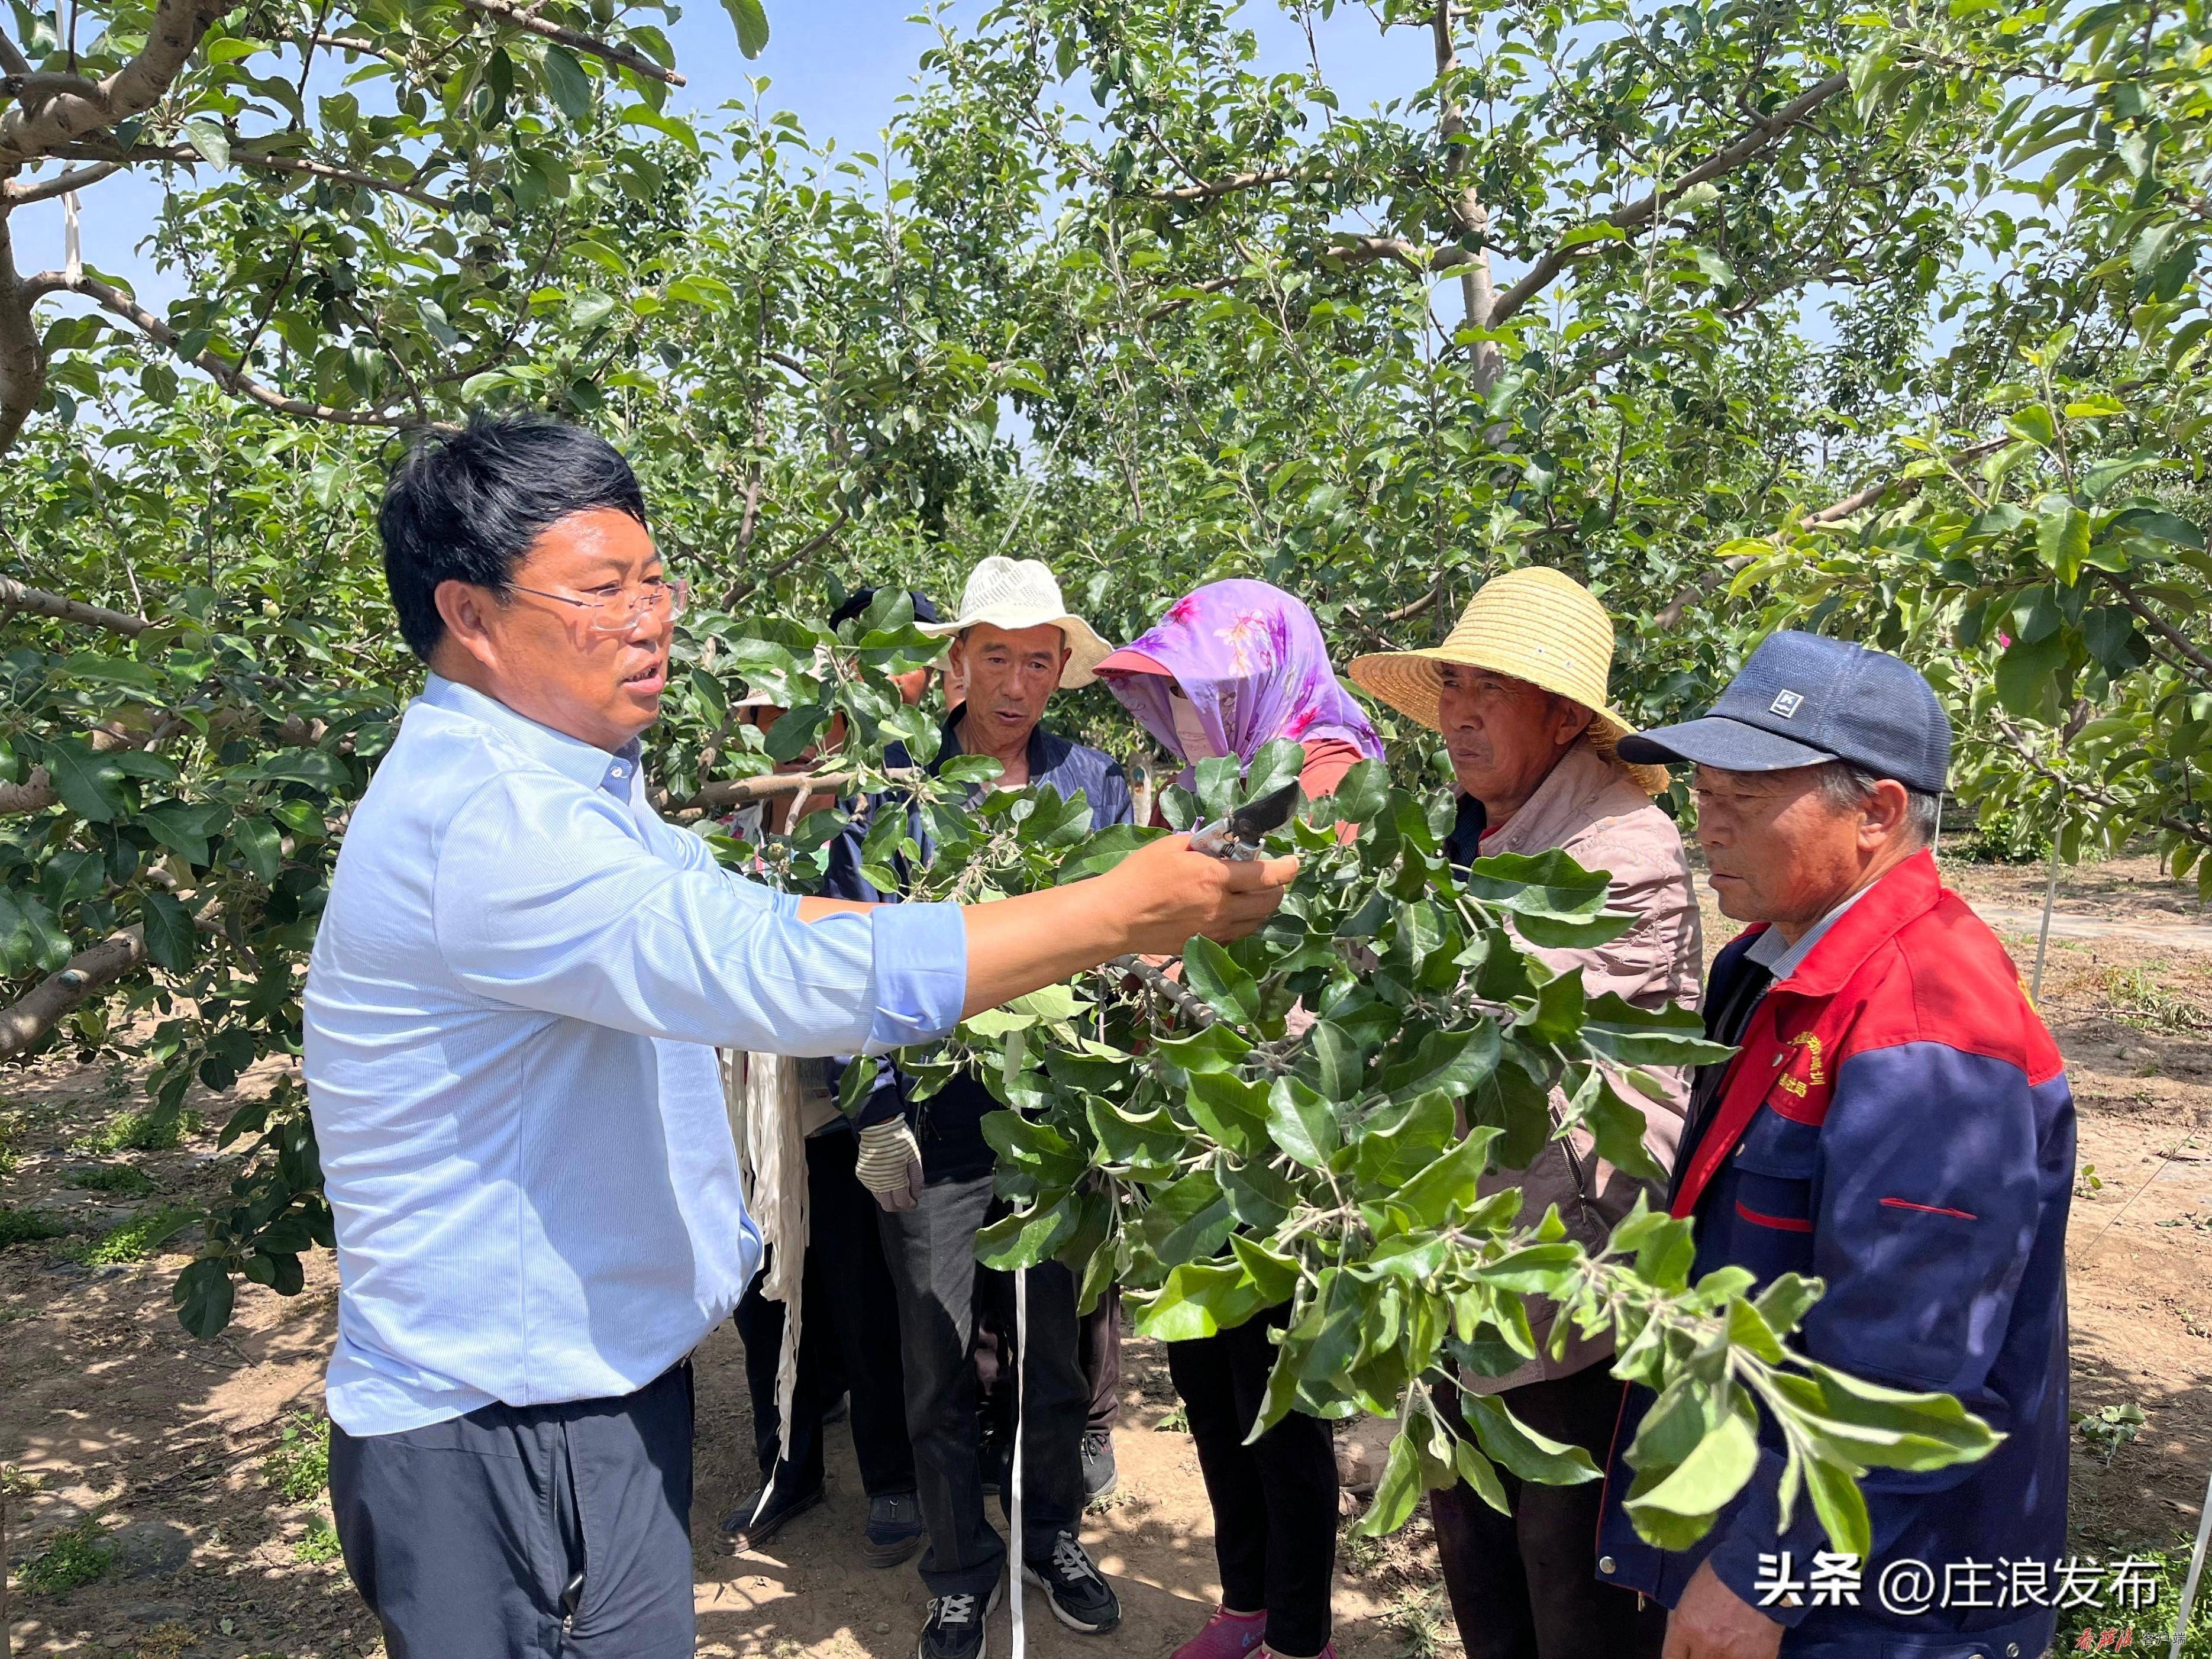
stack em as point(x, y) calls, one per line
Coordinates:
point(1275, 1276)
point(1522, 1450)
point(1190, 1217)
point(1201, 1299)
point(170, 940)
point(203, 1297)
point(1362, 792)
point(2026, 677)
point(1448, 1184)
point(570, 86)
point(86, 781)
point(1024, 1237)
point(1213, 974)
point(1302, 1123)
point(1217, 1047)
point(209, 139)
point(1713, 1473)
point(2061, 538)
point(261, 844)
point(751, 20)
point(1232, 1110)
point(1396, 1493)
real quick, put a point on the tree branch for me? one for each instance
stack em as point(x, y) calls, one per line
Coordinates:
point(236, 382)
point(735, 592)
point(22, 363)
point(44, 190)
point(1210, 190)
point(1858, 500)
point(1640, 213)
point(740, 792)
point(1188, 1002)
point(25, 1023)
point(606, 51)
point(14, 596)
point(32, 130)
point(2151, 619)
point(184, 155)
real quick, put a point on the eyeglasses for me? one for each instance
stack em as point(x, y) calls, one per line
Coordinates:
point(620, 613)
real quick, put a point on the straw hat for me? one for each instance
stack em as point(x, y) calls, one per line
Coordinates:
point(1014, 594)
point(1534, 624)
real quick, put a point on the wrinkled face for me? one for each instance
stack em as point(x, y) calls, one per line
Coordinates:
point(1780, 847)
point(1504, 735)
point(1010, 675)
point(543, 658)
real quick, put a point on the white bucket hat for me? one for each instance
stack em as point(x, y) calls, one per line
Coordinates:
point(1014, 594)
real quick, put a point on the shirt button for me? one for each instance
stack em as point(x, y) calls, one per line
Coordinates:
point(1605, 1564)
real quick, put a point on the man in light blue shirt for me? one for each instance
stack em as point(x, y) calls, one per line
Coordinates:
point(511, 1016)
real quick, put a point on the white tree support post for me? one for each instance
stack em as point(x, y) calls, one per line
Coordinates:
point(2196, 1571)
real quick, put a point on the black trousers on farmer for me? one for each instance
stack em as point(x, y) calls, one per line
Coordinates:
point(1097, 1350)
point(848, 1342)
point(1274, 1501)
point(932, 1252)
point(1525, 1585)
point(526, 1532)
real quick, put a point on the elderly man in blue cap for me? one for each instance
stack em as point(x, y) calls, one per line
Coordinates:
point(1896, 1124)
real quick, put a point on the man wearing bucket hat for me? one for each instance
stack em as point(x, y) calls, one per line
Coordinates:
point(930, 1170)
point(1895, 1124)
point(1519, 691)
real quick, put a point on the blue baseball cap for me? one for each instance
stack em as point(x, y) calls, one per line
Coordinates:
point(1802, 700)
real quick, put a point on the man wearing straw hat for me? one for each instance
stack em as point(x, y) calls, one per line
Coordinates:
point(1519, 691)
point(1016, 642)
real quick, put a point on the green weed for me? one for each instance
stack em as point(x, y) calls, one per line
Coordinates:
point(319, 1547)
point(28, 1227)
point(1176, 1422)
point(124, 1178)
point(1422, 1617)
point(2151, 1626)
point(2139, 998)
point(140, 1132)
point(136, 1240)
point(77, 1557)
point(2110, 1428)
point(300, 1467)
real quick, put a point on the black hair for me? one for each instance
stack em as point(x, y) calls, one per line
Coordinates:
point(466, 507)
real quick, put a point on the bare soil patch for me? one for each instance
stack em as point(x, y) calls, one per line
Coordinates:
point(154, 1464)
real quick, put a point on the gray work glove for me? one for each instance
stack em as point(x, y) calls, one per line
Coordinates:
point(891, 1164)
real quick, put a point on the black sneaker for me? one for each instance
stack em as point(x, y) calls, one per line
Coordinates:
point(1080, 1598)
point(762, 1514)
point(954, 1628)
point(1099, 1475)
point(893, 1528)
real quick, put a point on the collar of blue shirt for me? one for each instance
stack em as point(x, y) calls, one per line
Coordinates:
point(589, 764)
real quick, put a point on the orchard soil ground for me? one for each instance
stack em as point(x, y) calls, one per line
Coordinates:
point(151, 1467)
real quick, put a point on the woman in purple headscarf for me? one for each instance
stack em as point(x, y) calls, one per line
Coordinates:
point(1230, 668)
point(1233, 667)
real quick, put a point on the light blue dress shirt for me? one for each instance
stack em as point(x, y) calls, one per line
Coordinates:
point(512, 1012)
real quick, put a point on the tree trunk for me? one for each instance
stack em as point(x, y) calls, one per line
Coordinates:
point(1477, 294)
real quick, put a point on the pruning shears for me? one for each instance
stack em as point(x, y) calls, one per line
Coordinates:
point(1238, 836)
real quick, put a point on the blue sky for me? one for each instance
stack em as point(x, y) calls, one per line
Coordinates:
point(840, 65)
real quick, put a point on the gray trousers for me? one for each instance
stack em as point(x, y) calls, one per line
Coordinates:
point(526, 1532)
point(932, 1252)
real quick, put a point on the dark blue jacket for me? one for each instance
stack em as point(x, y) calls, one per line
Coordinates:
point(947, 1124)
point(1896, 1124)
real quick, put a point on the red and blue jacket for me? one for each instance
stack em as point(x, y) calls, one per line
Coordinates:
point(1896, 1124)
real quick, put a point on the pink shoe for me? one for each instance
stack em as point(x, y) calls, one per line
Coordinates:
point(1227, 1636)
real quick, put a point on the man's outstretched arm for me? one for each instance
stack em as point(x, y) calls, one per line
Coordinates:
point(1149, 903)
